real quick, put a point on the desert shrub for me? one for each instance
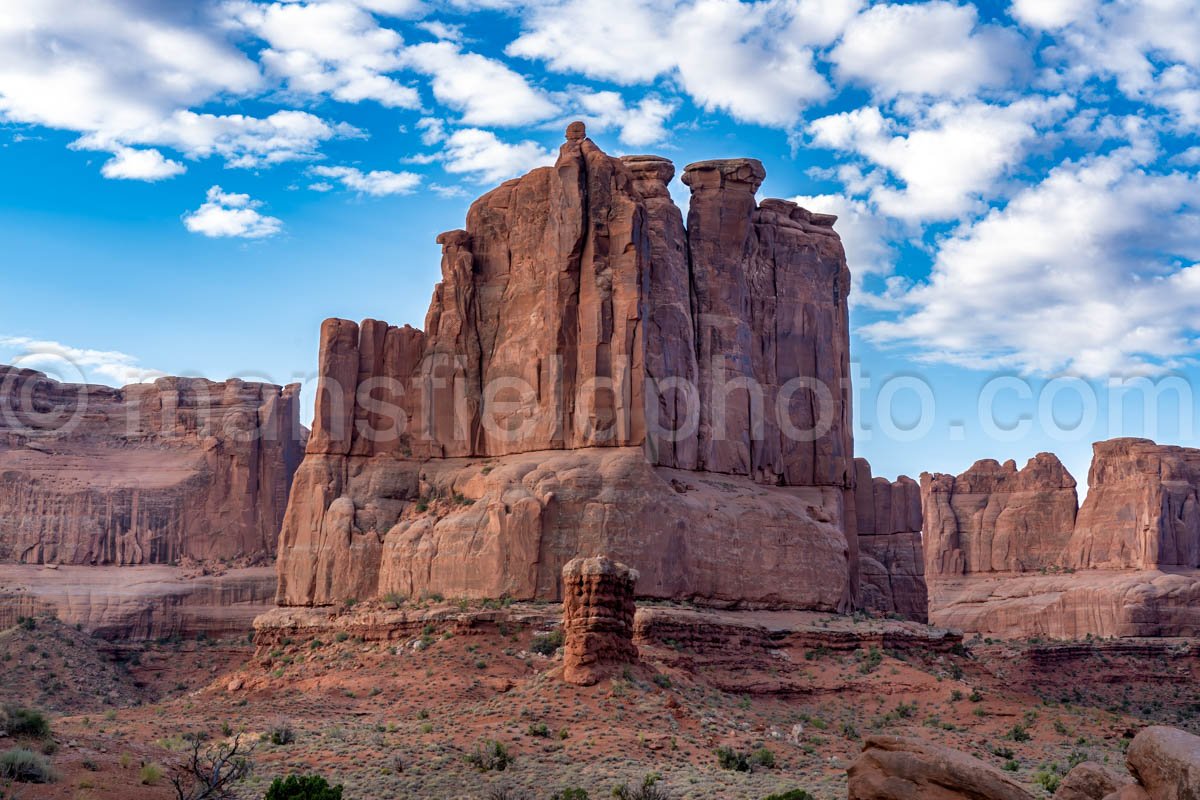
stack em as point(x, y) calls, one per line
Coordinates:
point(18, 721)
point(150, 774)
point(728, 758)
point(490, 756)
point(547, 643)
point(870, 661)
point(303, 787)
point(25, 766)
point(763, 757)
point(282, 734)
point(1048, 779)
point(1019, 733)
point(570, 794)
point(539, 729)
point(210, 771)
point(649, 790)
point(790, 794)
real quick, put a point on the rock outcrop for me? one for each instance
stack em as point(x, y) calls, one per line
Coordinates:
point(890, 558)
point(183, 468)
point(1090, 781)
point(1142, 509)
point(1008, 555)
point(1166, 763)
point(898, 768)
point(130, 603)
point(593, 377)
point(598, 611)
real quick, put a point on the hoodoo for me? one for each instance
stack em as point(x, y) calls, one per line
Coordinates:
point(594, 377)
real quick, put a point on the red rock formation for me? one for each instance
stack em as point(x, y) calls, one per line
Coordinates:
point(993, 518)
point(1166, 762)
point(598, 614)
point(897, 768)
point(1142, 510)
point(183, 468)
point(891, 564)
point(1126, 565)
point(549, 409)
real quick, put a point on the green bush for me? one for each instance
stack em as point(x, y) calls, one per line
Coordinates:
point(649, 790)
point(282, 735)
point(1048, 780)
point(150, 774)
point(570, 794)
point(763, 757)
point(19, 721)
point(728, 758)
point(303, 787)
point(791, 794)
point(547, 643)
point(25, 766)
point(489, 756)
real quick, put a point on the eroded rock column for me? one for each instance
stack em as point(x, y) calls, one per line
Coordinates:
point(598, 613)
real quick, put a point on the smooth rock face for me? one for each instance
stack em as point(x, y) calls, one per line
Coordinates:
point(1166, 762)
point(565, 383)
point(897, 768)
point(124, 603)
point(891, 563)
point(1142, 510)
point(598, 612)
point(1090, 781)
point(183, 468)
point(994, 518)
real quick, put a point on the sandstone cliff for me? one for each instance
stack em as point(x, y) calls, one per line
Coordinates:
point(1007, 554)
point(183, 468)
point(593, 377)
point(890, 556)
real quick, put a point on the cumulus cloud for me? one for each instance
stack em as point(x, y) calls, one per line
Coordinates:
point(74, 364)
point(1094, 271)
point(142, 165)
point(336, 49)
point(641, 124)
point(948, 159)
point(484, 90)
point(754, 61)
point(377, 182)
point(227, 214)
point(483, 156)
point(936, 48)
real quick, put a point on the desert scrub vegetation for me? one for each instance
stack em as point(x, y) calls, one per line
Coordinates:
point(26, 723)
point(490, 756)
point(648, 790)
point(547, 644)
point(791, 794)
point(22, 765)
point(210, 771)
point(303, 787)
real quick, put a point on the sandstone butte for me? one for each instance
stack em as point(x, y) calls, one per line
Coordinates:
point(1010, 553)
point(544, 418)
point(95, 480)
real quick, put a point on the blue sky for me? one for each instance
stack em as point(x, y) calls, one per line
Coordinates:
point(190, 188)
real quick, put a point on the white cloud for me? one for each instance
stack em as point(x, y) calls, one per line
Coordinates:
point(752, 60)
point(328, 48)
point(865, 236)
point(482, 155)
point(484, 90)
point(442, 30)
point(141, 165)
point(949, 159)
point(227, 214)
point(433, 130)
point(242, 141)
point(377, 183)
point(75, 365)
point(1093, 271)
point(936, 48)
point(639, 125)
point(1050, 14)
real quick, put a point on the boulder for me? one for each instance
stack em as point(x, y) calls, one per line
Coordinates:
point(1166, 762)
point(594, 377)
point(898, 768)
point(180, 469)
point(1090, 781)
point(598, 611)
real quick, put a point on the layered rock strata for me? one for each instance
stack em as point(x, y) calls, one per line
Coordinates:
point(890, 557)
point(593, 377)
point(1007, 554)
point(183, 468)
point(598, 611)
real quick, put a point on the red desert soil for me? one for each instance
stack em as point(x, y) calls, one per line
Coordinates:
point(396, 719)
